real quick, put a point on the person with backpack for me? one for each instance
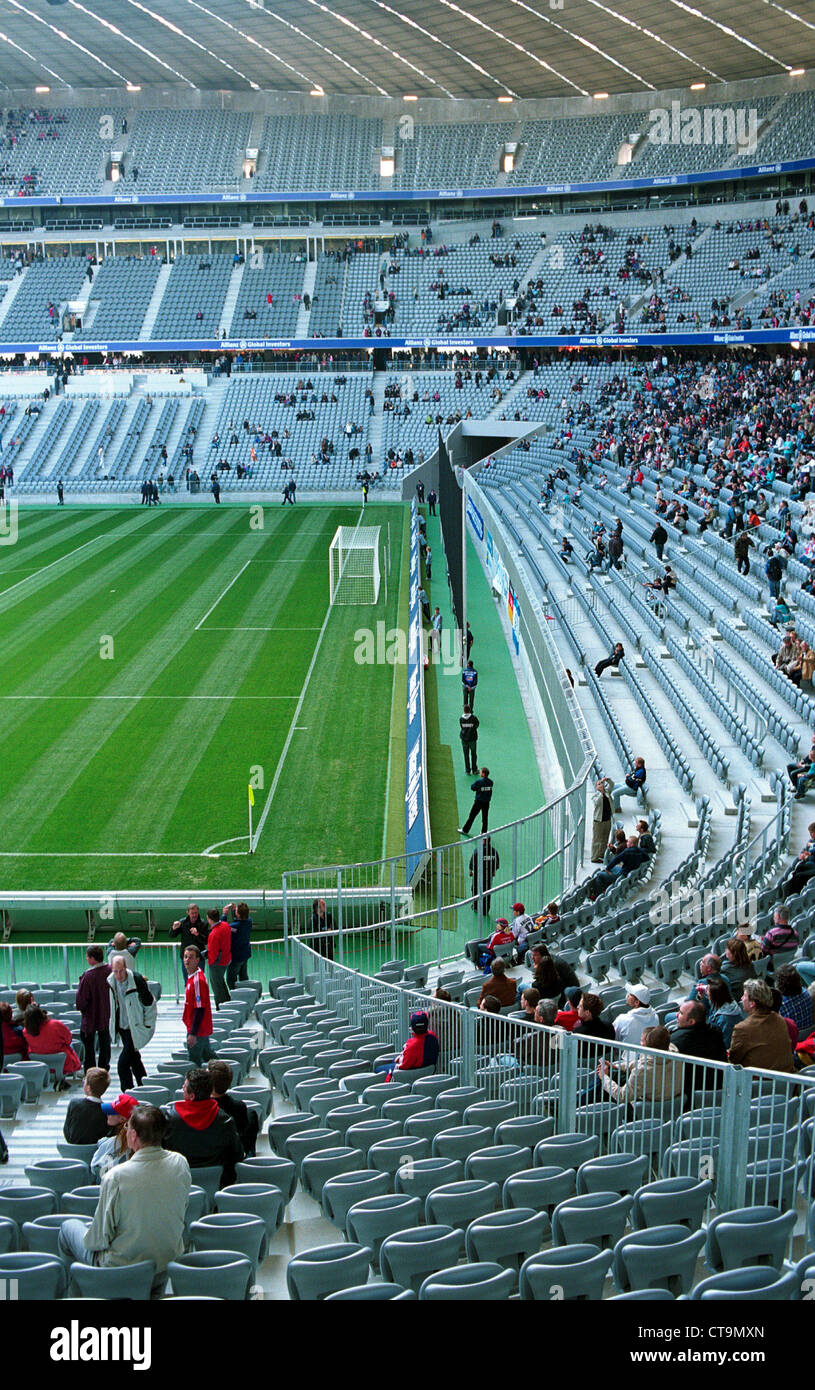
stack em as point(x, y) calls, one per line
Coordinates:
point(775, 573)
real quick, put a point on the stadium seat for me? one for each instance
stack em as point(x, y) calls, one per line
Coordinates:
point(316, 1273)
point(34, 1276)
point(482, 1282)
point(133, 1281)
point(750, 1284)
point(566, 1272)
point(221, 1273)
point(407, 1257)
point(659, 1257)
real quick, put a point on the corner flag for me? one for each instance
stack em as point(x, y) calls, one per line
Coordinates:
point(251, 795)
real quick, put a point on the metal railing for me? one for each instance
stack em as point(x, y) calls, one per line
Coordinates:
point(36, 963)
point(462, 886)
point(747, 1133)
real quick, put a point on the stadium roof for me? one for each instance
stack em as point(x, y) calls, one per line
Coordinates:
point(427, 48)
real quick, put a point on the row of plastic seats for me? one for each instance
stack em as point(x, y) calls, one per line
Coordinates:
point(383, 1233)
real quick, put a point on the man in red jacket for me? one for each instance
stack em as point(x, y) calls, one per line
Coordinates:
point(219, 955)
point(197, 1015)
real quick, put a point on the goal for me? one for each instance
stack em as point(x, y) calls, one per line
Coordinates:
point(353, 565)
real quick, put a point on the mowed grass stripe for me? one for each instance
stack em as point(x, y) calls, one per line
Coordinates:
point(97, 740)
point(47, 751)
point(202, 752)
point(43, 555)
point(49, 635)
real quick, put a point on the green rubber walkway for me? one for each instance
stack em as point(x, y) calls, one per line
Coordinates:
point(504, 741)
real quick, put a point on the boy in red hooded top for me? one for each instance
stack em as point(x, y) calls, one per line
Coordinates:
point(421, 1048)
point(197, 1015)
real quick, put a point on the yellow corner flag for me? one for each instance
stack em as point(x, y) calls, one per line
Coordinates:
point(251, 795)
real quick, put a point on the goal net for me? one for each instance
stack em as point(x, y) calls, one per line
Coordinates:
point(353, 565)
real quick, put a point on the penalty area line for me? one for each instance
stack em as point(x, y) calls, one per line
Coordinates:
point(222, 595)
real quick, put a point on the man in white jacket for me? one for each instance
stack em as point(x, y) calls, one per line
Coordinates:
point(629, 1027)
point(133, 1014)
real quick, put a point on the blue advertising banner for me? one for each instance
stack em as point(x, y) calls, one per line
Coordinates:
point(725, 338)
point(475, 518)
point(417, 817)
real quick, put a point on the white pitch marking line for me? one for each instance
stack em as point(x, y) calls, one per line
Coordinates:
point(100, 854)
point(223, 595)
point(58, 561)
point(259, 629)
point(148, 697)
point(217, 844)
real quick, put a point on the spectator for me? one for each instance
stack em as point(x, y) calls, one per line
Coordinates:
point(695, 1037)
point(13, 1041)
point(568, 1017)
point(649, 1079)
point(629, 1027)
point(624, 862)
point(751, 944)
point(613, 660)
point(197, 1015)
point(134, 1013)
point(246, 1120)
point(499, 984)
point(142, 1204)
point(240, 924)
point(780, 936)
point(601, 819)
point(47, 1037)
point(127, 947)
point(200, 1130)
point(421, 1048)
point(796, 1001)
point(85, 1121)
point(723, 1012)
point(529, 1001)
point(219, 954)
point(633, 785)
point(23, 999)
point(537, 1050)
point(93, 1002)
point(520, 927)
point(710, 970)
point(550, 974)
point(763, 1039)
point(589, 1023)
point(736, 966)
point(192, 931)
point(112, 1147)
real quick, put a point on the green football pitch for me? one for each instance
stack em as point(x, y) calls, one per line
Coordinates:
point(151, 660)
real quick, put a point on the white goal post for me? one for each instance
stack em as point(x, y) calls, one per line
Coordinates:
point(354, 570)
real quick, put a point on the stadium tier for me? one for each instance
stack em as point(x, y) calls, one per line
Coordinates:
point(67, 152)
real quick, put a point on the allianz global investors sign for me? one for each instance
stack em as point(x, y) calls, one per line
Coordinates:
point(76, 1343)
point(735, 128)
